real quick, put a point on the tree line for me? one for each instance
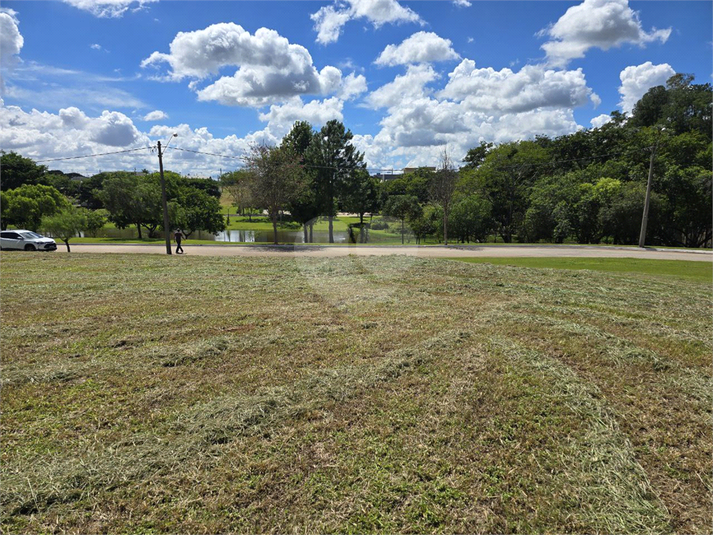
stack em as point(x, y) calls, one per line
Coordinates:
point(64, 205)
point(585, 187)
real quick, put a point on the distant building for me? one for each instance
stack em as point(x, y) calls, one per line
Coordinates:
point(385, 177)
point(409, 170)
point(393, 174)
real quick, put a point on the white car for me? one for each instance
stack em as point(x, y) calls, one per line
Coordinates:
point(26, 240)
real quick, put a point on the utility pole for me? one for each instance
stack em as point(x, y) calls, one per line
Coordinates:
point(166, 228)
point(645, 218)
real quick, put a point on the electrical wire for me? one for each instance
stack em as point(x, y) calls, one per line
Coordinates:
point(92, 155)
point(209, 153)
point(552, 163)
point(393, 171)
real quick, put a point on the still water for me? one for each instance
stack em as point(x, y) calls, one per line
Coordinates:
point(236, 236)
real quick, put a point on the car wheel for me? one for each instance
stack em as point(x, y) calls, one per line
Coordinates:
point(30, 247)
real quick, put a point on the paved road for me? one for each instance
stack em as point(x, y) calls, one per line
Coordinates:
point(322, 251)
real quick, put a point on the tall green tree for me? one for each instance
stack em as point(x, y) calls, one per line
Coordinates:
point(417, 182)
point(237, 185)
point(195, 209)
point(506, 176)
point(65, 224)
point(304, 208)
point(443, 188)
point(334, 160)
point(403, 207)
point(25, 206)
point(117, 196)
point(131, 200)
point(681, 106)
point(96, 219)
point(476, 156)
point(470, 218)
point(361, 194)
point(276, 178)
point(16, 170)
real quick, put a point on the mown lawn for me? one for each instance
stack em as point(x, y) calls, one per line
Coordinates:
point(154, 394)
point(680, 269)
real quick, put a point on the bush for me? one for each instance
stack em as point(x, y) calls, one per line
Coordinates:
point(379, 224)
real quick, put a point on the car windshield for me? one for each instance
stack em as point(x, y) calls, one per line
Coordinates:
point(29, 234)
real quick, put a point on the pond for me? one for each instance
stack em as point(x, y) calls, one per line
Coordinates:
point(283, 236)
point(236, 236)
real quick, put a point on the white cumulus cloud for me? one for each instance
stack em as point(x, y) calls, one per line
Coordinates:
point(329, 20)
point(43, 135)
point(409, 86)
point(316, 112)
point(352, 86)
point(156, 115)
point(270, 68)
point(505, 91)
point(113, 129)
point(637, 80)
point(600, 120)
point(596, 23)
point(474, 105)
point(11, 41)
point(421, 47)
point(71, 132)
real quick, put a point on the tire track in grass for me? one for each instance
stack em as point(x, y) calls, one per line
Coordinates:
point(33, 486)
point(601, 469)
point(664, 407)
point(622, 352)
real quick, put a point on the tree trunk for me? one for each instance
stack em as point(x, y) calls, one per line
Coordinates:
point(304, 229)
point(138, 226)
point(311, 232)
point(274, 227)
point(66, 242)
point(445, 227)
point(402, 232)
point(331, 229)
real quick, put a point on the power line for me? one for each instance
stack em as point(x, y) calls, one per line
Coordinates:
point(91, 155)
point(243, 158)
point(210, 153)
point(548, 163)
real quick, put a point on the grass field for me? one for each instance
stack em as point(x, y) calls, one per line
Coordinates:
point(693, 271)
point(151, 394)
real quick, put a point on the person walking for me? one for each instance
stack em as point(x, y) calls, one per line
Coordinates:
point(178, 236)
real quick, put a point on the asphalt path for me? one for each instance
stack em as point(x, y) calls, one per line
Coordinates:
point(429, 251)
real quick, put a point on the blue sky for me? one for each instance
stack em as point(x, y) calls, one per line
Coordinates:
point(85, 77)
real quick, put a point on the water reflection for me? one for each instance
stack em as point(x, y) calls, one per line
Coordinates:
point(283, 236)
point(234, 236)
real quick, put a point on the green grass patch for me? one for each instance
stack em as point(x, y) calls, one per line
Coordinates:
point(147, 393)
point(681, 269)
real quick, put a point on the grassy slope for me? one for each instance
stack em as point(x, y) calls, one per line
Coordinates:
point(168, 394)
